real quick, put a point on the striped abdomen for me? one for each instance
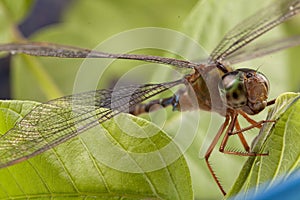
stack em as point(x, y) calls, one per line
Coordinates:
point(154, 105)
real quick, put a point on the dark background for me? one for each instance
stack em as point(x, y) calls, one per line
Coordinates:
point(43, 13)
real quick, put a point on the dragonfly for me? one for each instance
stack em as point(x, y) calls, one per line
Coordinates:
point(216, 85)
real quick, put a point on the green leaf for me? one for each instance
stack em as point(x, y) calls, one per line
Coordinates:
point(124, 158)
point(281, 140)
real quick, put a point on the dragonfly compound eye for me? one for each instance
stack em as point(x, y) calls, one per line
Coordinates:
point(232, 89)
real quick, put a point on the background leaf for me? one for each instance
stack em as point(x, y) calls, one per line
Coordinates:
point(77, 168)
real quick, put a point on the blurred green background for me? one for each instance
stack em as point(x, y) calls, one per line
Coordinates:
point(88, 23)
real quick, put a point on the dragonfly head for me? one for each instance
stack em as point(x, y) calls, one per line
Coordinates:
point(245, 89)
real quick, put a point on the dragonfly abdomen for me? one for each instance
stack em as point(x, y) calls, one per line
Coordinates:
point(154, 105)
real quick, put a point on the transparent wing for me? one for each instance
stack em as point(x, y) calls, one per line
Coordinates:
point(254, 26)
point(262, 49)
point(59, 120)
point(63, 51)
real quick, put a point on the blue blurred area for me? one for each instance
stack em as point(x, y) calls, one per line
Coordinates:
point(288, 189)
point(43, 13)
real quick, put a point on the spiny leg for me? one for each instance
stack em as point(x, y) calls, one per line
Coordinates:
point(271, 102)
point(254, 124)
point(210, 149)
point(241, 136)
point(226, 136)
point(234, 123)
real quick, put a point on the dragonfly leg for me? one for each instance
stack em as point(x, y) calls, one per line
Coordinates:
point(234, 123)
point(210, 149)
point(226, 136)
point(241, 136)
point(254, 124)
point(271, 102)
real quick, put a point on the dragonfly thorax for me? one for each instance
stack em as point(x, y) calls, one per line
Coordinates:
point(245, 89)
